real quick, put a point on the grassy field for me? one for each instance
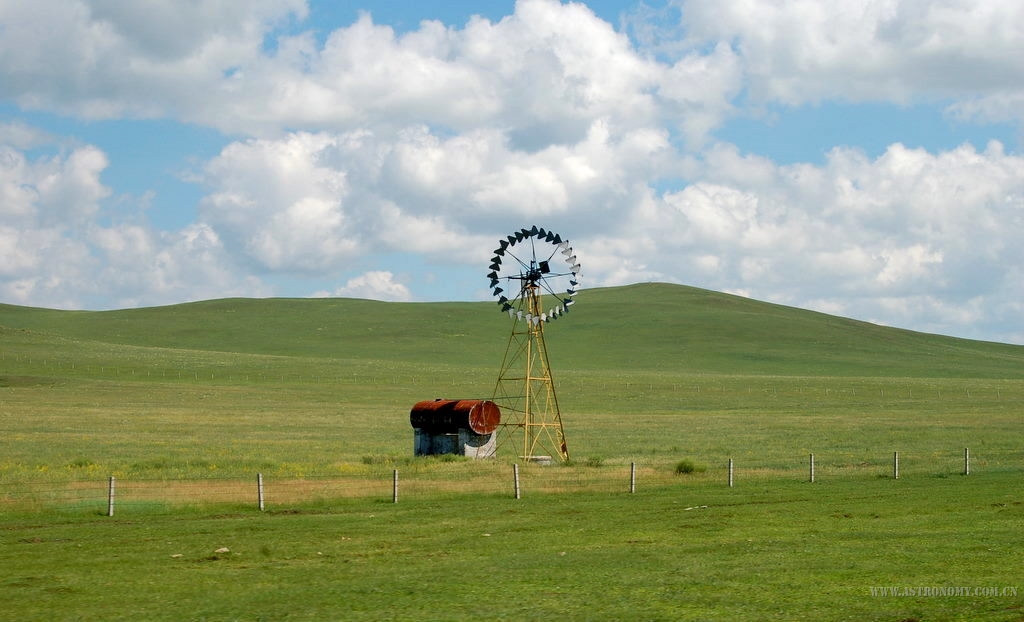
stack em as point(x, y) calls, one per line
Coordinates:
point(696, 551)
point(310, 391)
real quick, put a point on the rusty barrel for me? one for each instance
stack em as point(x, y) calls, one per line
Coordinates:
point(481, 416)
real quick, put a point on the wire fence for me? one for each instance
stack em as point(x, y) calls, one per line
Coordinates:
point(215, 369)
point(135, 495)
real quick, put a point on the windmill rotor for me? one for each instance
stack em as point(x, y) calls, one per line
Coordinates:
point(534, 263)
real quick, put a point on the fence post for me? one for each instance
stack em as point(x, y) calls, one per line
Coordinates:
point(515, 478)
point(812, 468)
point(394, 487)
point(730, 472)
point(632, 477)
point(895, 465)
point(259, 490)
point(967, 461)
point(110, 496)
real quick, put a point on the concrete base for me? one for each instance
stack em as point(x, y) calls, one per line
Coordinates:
point(541, 460)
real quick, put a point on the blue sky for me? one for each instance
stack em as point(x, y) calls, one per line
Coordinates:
point(857, 158)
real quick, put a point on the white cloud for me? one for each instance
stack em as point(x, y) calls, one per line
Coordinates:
point(59, 190)
point(918, 234)
point(314, 202)
point(281, 205)
point(1005, 105)
point(865, 50)
point(374, 285)
point(141, 266)
point(42, 201)
point(104, 59)
point(19, 136)
point(698, 90)
point(543, 75)
point(55, 251)
point(903, 266)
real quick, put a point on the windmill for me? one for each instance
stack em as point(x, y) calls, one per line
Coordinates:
point(534, 276)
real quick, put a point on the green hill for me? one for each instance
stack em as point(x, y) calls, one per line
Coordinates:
point(650, 327)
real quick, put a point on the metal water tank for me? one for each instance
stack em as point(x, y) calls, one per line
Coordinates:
point(448, 416)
